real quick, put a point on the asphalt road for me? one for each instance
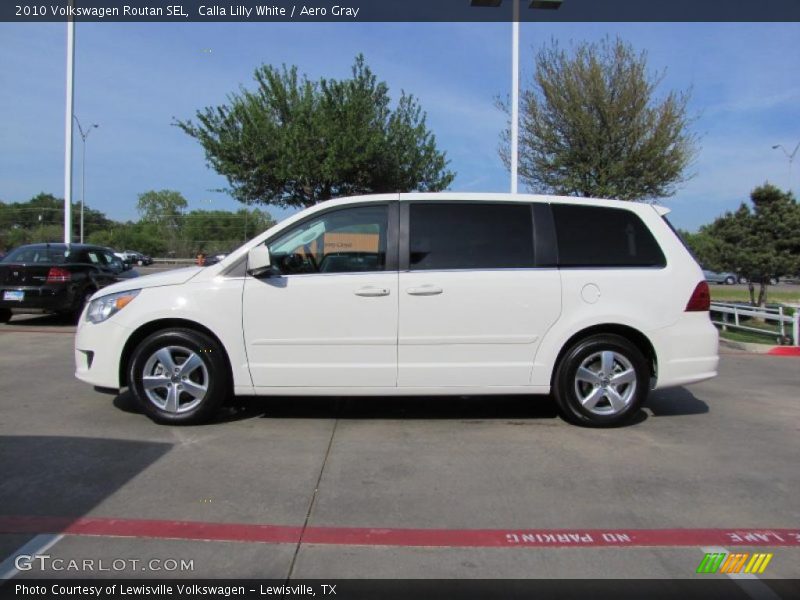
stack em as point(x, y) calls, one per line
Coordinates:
point(331, 476)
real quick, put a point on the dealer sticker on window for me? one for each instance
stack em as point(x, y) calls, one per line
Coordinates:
point(14, 295)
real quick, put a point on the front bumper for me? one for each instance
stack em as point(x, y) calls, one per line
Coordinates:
point(98, 352)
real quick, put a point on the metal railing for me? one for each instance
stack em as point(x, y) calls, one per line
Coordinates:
point(764, 314)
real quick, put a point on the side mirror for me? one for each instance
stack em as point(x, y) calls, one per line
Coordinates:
point(258, 261)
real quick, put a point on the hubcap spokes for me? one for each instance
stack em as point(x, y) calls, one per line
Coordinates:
point(605, 383)
point(175, 379)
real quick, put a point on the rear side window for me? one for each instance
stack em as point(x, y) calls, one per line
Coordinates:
point(38, 254)
point(590, 236)
point(469, 235)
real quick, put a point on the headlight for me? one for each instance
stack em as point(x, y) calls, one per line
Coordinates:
point(102, 308)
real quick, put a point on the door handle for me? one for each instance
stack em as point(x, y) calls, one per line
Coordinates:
point(371, 292)
point(425, 290)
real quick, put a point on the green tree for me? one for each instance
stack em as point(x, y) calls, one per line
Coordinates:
point(592, 125)
point(760, 243)
point(222, 231)
point(705, 248)
point(41, 219)
point(162, 212)
point(165, 206)
point(294, 142)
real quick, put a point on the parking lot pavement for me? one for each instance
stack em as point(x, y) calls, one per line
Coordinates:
point(394, 487)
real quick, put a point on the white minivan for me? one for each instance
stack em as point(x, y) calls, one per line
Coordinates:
point(596, 301)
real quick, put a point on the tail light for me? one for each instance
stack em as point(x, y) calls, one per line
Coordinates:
point(58, 275)
point(700, 300)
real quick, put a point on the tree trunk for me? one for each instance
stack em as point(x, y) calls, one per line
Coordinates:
point(762, 293)
point(752, 291)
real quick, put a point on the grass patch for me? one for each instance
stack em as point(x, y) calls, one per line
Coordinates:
point(749, 337)
point(724, 293)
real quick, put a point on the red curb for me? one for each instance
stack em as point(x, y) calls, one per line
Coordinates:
point(365, 536)
point(784, 351)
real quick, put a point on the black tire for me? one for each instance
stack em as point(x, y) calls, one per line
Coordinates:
point(5, 315)
point(730, 280)
point(566, 384)
point(214, 374)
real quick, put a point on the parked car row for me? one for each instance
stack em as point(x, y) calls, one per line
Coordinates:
point(132, 257)
point(56, 278)
point(728, 278)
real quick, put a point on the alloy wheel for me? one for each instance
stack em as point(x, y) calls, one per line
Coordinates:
point(605, 383)
point(175, 379)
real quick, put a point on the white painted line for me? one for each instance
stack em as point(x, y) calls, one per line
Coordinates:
point(37, 545)
point(749, 583)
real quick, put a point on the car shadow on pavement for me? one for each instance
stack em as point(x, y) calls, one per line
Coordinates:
point(465, 408)
point(675, 402)
point(468, 409)
point(22, 322)
point(49, 481)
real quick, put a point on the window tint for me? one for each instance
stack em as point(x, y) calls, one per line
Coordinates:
point(350, 240)
point(591, 236)
point(38, 254)
point(453, 235)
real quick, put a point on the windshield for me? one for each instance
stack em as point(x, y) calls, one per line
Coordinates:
point(38, 254)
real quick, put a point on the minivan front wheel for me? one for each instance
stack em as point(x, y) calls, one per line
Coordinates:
point(179, 376)
point(601, 381)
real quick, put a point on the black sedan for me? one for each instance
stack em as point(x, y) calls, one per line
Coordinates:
point(54, 278)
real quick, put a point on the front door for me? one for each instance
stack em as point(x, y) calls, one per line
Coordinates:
point(328, 316)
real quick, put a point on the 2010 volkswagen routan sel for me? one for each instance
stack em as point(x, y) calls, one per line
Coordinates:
point(596, 301)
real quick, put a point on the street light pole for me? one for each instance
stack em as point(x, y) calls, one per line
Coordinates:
point(540, 4)
point(84, 135)
point(515, 98)
point(68, 130)
point(790, 156)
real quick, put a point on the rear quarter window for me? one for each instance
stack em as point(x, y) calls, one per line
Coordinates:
point(590, 236)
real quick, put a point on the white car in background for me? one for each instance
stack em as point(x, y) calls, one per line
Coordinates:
point(596, 301)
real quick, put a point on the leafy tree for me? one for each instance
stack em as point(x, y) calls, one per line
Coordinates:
point(143, 236)
point(705, 248)
point(164, 229)
point(221, 231)
point(591, 125)
point(759, 243)
point(162, 212)
point(165, 207)
point(41, 219)
point(294, 142)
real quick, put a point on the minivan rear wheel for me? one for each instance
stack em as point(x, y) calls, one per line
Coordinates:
point(5, 315)
point(601, 381)
point(179, 376)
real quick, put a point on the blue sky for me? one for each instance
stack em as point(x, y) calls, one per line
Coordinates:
point(133, 79)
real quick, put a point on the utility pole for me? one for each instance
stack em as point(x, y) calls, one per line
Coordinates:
point(68, 129)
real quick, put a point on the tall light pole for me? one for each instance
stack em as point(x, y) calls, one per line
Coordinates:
point(790, 156)
point(540, 4)
point(68, 130)
point(84, 135)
